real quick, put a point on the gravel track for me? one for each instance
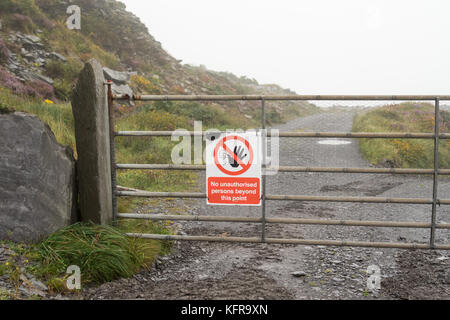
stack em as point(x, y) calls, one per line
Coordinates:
point(262, 271)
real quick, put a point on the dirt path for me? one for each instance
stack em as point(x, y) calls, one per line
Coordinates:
point(260, 271)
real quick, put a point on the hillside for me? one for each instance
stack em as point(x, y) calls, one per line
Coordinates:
point(403, 153)
point(41, 57)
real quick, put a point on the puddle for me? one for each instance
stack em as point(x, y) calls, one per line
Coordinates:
point(334, 142)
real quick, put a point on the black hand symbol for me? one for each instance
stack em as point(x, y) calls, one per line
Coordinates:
point(239, 152)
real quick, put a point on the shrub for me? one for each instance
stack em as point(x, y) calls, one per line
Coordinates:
point(40, 89)
point(405, 117)
point(9, 81)
point(35, 88)
point(21, 22)
point(4, 109)
point(44, 22)
point(64, 74)
point(4, 52)
point(143, 85)
point(103, 253)
point(135, 63)
point(210, 115)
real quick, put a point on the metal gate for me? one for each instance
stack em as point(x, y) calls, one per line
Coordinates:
point(433, 202)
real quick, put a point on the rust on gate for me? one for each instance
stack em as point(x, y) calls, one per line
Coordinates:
point(434, 201)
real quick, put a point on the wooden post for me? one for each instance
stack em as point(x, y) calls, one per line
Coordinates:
point(90, 111)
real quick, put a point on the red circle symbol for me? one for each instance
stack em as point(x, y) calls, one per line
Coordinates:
point(230, 153)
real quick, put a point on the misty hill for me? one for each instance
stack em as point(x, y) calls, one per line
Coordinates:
point(40, 56)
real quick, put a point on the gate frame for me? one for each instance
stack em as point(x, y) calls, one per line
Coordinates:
point(436, 136)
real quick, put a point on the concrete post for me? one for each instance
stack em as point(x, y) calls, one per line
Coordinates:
point(90, 111)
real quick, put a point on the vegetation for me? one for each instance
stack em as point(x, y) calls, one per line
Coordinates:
point(57, 115)
point(403, 153)
point(64, 74)
point(103, 253)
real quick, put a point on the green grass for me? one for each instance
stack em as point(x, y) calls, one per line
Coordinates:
point(103, 253)
point(404, 153)
point(58, 115)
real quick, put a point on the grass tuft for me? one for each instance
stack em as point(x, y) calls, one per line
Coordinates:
point(103, 253)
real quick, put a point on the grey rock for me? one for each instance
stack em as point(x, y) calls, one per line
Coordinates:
point(202, 277)
point(42, 78)
point(122, 89)
point(298, 274)
point(92, 136)
point(57, 56)
point(116, 76)
point(39, 285)
point(31, 291)
point(37, 180)
point(32, 38)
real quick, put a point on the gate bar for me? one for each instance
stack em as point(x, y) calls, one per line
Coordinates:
point(288, 169)
point(264, 158)
point(352, 223)
point(147, 194)
point(435, 176)
point(278, 98)
point(379, 135)
point(336, 243)
point(112, 152)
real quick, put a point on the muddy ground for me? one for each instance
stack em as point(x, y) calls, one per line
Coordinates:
point(262, 271)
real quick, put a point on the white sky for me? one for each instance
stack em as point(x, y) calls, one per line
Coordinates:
point(311, 47)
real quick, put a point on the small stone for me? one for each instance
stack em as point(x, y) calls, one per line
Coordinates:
point(336, 279)
point(299, 274)
point(58, 56)
point(32, 38)
point(43, 78)
point(39, 285)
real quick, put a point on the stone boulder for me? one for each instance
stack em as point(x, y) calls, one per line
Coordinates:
point(117, 77)
point(37, 180)
point(119, 81)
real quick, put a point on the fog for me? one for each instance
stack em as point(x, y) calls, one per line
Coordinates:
point(311, 47)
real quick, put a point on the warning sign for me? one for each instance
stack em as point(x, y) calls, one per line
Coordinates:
point(233, 169)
